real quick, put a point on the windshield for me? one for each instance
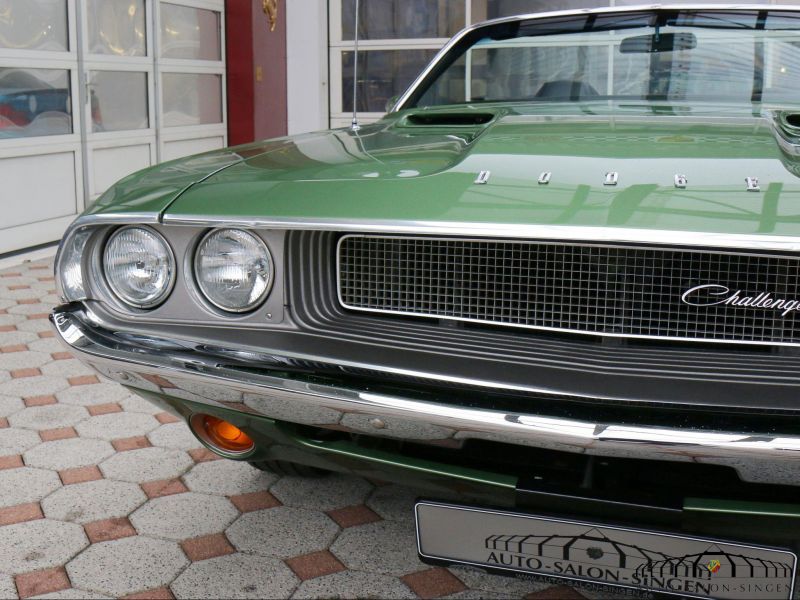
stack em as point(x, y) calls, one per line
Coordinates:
point(742, 56)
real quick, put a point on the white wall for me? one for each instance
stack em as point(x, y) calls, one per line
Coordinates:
point(307, 65)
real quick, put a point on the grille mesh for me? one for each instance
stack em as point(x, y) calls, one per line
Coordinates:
point(625, 291)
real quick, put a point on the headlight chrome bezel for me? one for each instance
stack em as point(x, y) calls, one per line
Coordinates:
point(70, 268)
point(127, 302)
point(228, 310)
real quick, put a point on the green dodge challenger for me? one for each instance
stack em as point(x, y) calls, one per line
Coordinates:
point(556, 287)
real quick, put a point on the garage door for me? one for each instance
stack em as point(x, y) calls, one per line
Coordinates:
point(92, 90)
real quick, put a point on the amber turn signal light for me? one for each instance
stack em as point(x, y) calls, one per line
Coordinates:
point(222, 435)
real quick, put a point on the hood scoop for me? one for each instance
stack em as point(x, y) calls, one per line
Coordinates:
point(448, 119)
point(789, 123)
point(792, 121)
point(787, 129)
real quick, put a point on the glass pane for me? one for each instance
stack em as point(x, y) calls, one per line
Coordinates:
point(34, 102)
point(782, 71)
point(393, 19)
point(191, 33)
point(716, 57)
point(451, 86)
point(382, 74)
point(727, 2)
point(119, 100)
point(492, 9)
point(34, 25)
point(515, 73)
point(192, 99)
point(117, 27)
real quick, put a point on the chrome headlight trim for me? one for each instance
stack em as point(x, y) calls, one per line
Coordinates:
point(172, 276)
point(198, 281)
point(69, 265)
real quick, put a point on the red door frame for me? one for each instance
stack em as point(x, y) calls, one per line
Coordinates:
point(256, 67)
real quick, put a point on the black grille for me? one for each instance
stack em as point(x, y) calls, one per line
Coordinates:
point(606, 290)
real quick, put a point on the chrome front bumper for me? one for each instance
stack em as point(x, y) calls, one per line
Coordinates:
point(182, 369)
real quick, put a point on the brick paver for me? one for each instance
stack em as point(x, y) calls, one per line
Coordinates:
point(39, 401)
point(162, 593)
point(14, 348)
point(83, 380)
point(131, 443)
point(104, 409)
point(42, 582)
point(165, 418)
point(352, 516)
point(61, 433)
point(10, 462)
point(109, 529)
point(203, 455)
point(254, 501)
point(207, 546)
point(80, 475)
point(433, 583)
point(102, 494)
point(316, 564)
point(20, 513)
point(166, 487)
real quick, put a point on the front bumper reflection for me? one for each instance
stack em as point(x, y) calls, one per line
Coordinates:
point(181, 369)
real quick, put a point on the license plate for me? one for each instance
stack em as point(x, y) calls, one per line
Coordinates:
point(600, 554)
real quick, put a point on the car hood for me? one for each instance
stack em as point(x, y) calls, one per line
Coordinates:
point(150, 192)
point(421, 166)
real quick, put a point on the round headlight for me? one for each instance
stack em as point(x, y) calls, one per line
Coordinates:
point(233, 269)
point(139, 266)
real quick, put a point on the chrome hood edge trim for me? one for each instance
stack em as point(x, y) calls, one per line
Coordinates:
point(623, 235)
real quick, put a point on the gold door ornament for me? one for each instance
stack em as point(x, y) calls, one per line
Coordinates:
point(271, 10)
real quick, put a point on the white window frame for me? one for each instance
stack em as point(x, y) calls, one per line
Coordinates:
point(41, 230)
point(339, 118)
point(175, 65)
point(337, 46)
point(134, 64)
point(82, 142)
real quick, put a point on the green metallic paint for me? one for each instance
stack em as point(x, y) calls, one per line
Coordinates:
point(283, 441)
point(395, 171)
point(744, 521)
point(738, 507)
point(150, 192)
point(425, 467)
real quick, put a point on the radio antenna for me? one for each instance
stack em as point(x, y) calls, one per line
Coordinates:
point(354, 126)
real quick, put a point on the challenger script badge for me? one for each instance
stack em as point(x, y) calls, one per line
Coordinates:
point(713, 294)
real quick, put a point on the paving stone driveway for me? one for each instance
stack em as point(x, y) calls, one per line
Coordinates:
point(102, 495)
